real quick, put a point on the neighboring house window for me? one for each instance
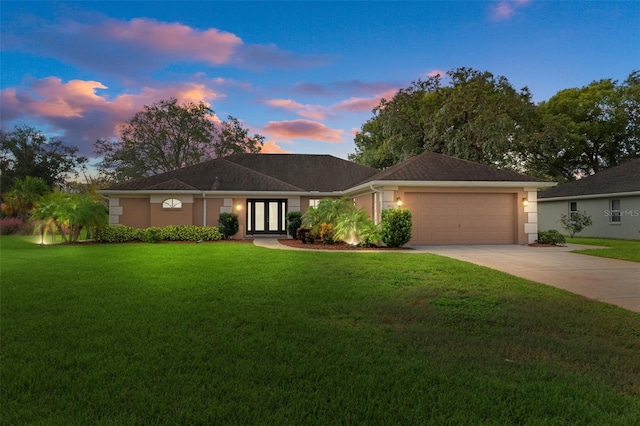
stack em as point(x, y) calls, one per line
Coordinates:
point(314, 202)
point(573, 209)
point(171, 203)
point(614, 217)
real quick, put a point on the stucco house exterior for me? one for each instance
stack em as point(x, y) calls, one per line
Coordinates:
point(611, 198)
point(452, 201)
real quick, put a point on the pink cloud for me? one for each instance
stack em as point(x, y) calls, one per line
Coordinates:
point(505, 9)
point(150, 44)
point(315, 112)
point(77, 111)
point(302, 129)
point(271, 147)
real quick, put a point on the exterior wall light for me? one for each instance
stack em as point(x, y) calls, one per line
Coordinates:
point(525, 202)
point(398, 202)
point(239, 207)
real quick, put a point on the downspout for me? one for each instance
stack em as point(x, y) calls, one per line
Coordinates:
point(375, 205)
point(204, 209)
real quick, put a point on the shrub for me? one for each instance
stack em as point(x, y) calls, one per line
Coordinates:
point(369, 234)
point(11, 225)
point(396, 227)
point(576, 222)
point(228, 224)
point(551, 236)
point(190, 233)
point(304, 234)
point(294, 220)
point(327, 233)
point(118, 234)
point(152, 235)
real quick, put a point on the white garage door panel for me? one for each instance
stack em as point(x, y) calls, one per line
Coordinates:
point(462, 218)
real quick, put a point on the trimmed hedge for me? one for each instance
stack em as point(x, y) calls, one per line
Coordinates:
point(123, 234)
point(396, 227)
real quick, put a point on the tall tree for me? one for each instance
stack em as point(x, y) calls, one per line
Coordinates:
point(26, 151)
point(166, 136)
point(585, 130)
point(477, 117)
point(234, 138)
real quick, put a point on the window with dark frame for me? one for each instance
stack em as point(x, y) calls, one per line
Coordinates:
point(573, 209)
point(615, 216)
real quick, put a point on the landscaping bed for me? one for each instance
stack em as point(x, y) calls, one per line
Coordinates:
point(335, 246)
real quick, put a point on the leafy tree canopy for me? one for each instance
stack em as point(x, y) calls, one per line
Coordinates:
point(478, 117)
point(167, 136)
point(26, 151)
point(585, 130)
point(482, 118)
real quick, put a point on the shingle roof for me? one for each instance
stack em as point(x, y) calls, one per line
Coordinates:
point(322, 173)
point(219, 174)
point(619, 179)
point(305, 172)
point(430, 166)
point(259, 172)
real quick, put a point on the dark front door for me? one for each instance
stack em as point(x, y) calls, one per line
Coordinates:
point(266, 216)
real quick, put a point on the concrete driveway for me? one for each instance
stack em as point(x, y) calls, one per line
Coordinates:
point(608, 280)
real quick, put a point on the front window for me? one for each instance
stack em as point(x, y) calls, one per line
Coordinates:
point(172, 203)
point(614, 217)
point(314, 202)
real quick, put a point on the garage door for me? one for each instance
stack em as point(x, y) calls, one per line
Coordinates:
point(462, 218)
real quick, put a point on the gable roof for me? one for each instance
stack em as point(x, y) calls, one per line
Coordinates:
point(430, 166)
point(620, 179)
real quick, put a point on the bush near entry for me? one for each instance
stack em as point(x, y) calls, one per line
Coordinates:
point(294, 221)
point(396, 227)
point(228, 225)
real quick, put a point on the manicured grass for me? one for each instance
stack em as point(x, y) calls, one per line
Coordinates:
point(619, 249)
point(224, 333)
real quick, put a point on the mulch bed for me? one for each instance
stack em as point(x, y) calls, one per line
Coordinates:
point(335, 246)
point(544, 245)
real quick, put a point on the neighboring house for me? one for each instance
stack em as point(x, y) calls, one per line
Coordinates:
point(452, 201)
point(611, 198)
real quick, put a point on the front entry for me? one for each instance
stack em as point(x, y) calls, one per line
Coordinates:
point(266, 216)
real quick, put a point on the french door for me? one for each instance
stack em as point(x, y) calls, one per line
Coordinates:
point(266, 216)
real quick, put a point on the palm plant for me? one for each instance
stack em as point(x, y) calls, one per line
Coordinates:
point(356, 227)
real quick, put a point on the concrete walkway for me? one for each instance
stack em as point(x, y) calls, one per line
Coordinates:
point(608, 280)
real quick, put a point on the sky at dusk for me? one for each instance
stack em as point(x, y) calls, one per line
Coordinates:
point(304, 74)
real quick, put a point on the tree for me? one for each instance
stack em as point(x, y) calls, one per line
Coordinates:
point(69, 214)
point(23, 196)
point(167, 136)
point(575, 222)
point(585, 130)
point(28, 152)
point(478, 117)
point(234, 139)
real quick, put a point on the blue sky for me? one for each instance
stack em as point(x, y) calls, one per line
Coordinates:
point(304, 74)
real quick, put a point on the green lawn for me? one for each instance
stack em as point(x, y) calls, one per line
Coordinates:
point(618, 249)
point(224, 333)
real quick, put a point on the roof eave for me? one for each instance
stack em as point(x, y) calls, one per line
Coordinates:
point(220, 193)
point(451, 184)
point(587, 196)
